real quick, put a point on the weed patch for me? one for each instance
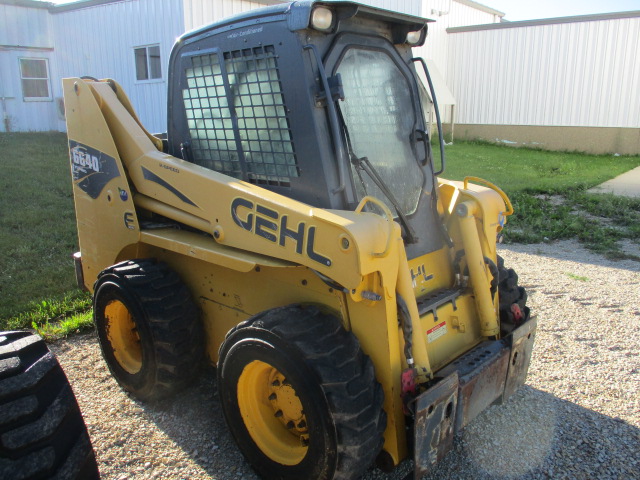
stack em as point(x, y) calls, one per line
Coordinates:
point(50, 311)
point(67, 326)
point(579, 278)
point(548, 192)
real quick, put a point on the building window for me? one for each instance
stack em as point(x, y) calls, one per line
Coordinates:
point(148, 62)
point(34, 75)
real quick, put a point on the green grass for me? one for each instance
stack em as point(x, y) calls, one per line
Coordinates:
point(579, 278)
point(73, 324)
point(533, 171)
point(548, 192)
point(37, 280)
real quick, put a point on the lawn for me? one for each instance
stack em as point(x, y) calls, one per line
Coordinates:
point(37, 280)
point(37, 283)
point(533, 171)
point(548, 192)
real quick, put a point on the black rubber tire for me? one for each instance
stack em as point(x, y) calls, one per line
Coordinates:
point(510, 293)
point(42, 433)
point(167, 322)
point(334, 380)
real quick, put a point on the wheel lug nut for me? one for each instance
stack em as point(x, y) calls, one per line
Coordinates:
point(272, 397)
point(290, 424)
point(278, 414)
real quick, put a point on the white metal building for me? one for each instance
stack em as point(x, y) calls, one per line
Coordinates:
point(568, 83)
point(130, 41)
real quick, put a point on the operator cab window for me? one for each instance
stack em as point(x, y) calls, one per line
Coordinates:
point(253, 143)
point(379, 115)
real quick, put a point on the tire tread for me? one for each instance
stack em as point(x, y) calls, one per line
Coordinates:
point(345, 374)
point(173, 319)
point(40, 421)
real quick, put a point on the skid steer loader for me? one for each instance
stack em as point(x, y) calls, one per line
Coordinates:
point(292, 227)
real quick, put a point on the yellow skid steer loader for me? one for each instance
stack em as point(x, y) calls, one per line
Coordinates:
point(292, 228)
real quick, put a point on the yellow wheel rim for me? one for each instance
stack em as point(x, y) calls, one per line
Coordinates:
point(273, 413)
point(123, 336)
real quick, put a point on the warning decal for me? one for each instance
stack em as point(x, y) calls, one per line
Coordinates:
point(436, 332)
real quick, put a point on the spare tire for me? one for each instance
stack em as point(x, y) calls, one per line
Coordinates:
point(42, 433)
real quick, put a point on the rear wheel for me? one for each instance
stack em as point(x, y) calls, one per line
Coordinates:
point(148, 328)
point(513, 299)
point(300, 397)
point(42, 433)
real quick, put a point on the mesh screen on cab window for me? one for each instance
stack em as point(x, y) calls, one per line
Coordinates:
point(236, 107)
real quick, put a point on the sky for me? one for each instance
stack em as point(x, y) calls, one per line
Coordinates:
point(533, 9)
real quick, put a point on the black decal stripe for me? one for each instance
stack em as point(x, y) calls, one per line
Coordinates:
point(149, 175)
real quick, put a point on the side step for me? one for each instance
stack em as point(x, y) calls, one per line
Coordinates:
point(432, 301)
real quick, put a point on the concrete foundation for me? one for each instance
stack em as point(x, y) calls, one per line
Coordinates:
point(598, 140)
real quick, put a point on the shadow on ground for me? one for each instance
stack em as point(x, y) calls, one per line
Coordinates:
point(534, 435)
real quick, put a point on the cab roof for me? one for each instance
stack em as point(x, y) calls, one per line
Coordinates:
point(298, 14)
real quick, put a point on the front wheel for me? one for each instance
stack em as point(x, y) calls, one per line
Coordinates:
point(300, 397)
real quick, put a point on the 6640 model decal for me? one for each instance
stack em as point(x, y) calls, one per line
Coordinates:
point(91, 169)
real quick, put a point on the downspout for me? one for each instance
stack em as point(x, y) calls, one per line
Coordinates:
point(5, 115)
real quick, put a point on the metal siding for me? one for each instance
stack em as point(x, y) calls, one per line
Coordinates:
point(26, 27)
point(198, 13)
point(30, 116)
point(116, 28)
point(412, 7)
point(454, 14)
point(24, 33)
point(571, 74)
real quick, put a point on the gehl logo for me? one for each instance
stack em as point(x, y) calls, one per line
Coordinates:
point(272, 226)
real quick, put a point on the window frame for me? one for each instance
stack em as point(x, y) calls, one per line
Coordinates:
point(147, 64)
point(354, 40)
point(49, 97)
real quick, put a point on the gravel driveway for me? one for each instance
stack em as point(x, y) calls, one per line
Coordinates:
point(577, 417)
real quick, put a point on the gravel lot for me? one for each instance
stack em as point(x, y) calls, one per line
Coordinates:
point(577, 417)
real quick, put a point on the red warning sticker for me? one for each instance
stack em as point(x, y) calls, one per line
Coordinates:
point(436, 332)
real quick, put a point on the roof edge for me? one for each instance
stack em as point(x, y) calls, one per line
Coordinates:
point(66, 7)
point(481, 7)
point(27, 3)
point(77, 5)
point(546, 21)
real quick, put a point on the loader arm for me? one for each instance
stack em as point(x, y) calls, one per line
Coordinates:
point(341, 245)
